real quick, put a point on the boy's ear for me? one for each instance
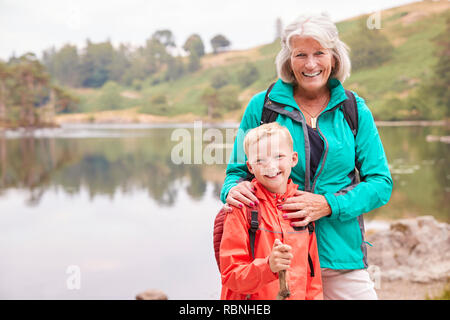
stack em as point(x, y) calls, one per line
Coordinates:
point(249, 167)
point(294, 159)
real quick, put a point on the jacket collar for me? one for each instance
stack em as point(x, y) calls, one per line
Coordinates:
point(263, 194)
point(283, 93)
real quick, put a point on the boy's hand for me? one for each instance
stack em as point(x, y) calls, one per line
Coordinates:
point(280, 257)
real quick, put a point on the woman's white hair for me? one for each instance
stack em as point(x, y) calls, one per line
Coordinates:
point(322, 29)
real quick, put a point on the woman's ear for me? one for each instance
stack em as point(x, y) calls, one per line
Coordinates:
point(334, 63)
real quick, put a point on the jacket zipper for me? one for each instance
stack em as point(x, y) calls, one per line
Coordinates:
point(325, 148)
point(324, 157)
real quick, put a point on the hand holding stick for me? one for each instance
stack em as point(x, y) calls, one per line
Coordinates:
point(279, 261)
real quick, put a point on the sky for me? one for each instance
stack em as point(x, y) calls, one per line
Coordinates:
point(27, 25)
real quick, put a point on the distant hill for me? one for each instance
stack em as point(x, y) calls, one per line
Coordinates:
point(411, 31)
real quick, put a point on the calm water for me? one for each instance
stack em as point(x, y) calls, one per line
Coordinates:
point(110, 203)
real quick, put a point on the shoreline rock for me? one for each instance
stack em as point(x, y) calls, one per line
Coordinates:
point(414, 251)
point(152, 294)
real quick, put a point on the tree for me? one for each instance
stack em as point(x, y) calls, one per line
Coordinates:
point(110, 98)
point(194, 62)
point(165, 37)
point(211, 98)
point(64, 101)
point(220, 101)
point(30, 86)
point(194, 44)
point(219, 43)
point(141, 65)
point(247, 75)
point(175, 68)
point(120, 64)
point(66, 66)
point(369, 47)
point(4, 75)
point(220, 79)
point(48, 61)
point(155, 55)
point(96, 63)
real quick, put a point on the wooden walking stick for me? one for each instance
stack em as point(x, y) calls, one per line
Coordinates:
point(284, 289)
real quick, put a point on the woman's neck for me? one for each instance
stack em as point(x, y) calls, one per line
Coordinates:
point(311, 96)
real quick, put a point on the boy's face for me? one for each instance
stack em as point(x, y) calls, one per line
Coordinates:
point(271, 160)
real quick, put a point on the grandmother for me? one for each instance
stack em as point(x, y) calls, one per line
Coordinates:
point(312, 65)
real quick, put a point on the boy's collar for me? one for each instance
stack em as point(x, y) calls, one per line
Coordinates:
point(262, 193)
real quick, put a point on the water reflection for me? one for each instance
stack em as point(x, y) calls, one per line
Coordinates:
point(420, 170)
point(126, 160)
point(112, 202)
point(103, 166)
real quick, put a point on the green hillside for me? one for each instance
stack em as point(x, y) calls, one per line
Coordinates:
point(393, 86)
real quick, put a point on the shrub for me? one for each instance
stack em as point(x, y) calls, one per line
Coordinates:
point(247, 75)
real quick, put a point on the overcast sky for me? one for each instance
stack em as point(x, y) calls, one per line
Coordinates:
point(27, 25)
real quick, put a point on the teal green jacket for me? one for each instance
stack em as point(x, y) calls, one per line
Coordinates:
point(340, 236)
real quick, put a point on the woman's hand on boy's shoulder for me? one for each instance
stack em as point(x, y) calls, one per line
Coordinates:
point(241, 194)
point(306, 207)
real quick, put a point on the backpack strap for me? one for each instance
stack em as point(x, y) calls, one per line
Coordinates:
point(310, 262)
point(268, 115)
point(253, 219)
point(350, 109)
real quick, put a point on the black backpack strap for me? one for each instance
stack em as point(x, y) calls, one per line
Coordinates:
point(350, 109)
point(254, 225)
point(310, 262)
point(268, 115)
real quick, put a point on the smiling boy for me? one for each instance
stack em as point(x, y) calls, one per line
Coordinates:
point(278, 245)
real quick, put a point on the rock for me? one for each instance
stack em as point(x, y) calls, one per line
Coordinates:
point(416, 250)
point(152, 294)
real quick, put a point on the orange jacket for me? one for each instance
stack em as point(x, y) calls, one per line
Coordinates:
point(241, 275)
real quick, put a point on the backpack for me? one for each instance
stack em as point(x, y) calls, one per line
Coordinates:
point(270, 114)
point(253, 219)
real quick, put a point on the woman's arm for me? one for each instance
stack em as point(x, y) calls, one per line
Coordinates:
point(375, 187)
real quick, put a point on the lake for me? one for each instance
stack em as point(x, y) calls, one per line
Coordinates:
point(108, 211)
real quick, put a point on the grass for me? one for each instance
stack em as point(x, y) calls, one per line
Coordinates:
point(445, 294)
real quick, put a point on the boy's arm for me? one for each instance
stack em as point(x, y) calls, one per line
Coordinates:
point(239, 273)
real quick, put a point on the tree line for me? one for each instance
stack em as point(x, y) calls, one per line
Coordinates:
point(32, 91)
point(98, 63)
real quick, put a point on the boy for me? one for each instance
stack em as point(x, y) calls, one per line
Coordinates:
point(278, 245)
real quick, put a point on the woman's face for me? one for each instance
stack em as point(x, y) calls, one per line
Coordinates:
point(311, 63)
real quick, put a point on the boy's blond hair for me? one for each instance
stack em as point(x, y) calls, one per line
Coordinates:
point(266, 130)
